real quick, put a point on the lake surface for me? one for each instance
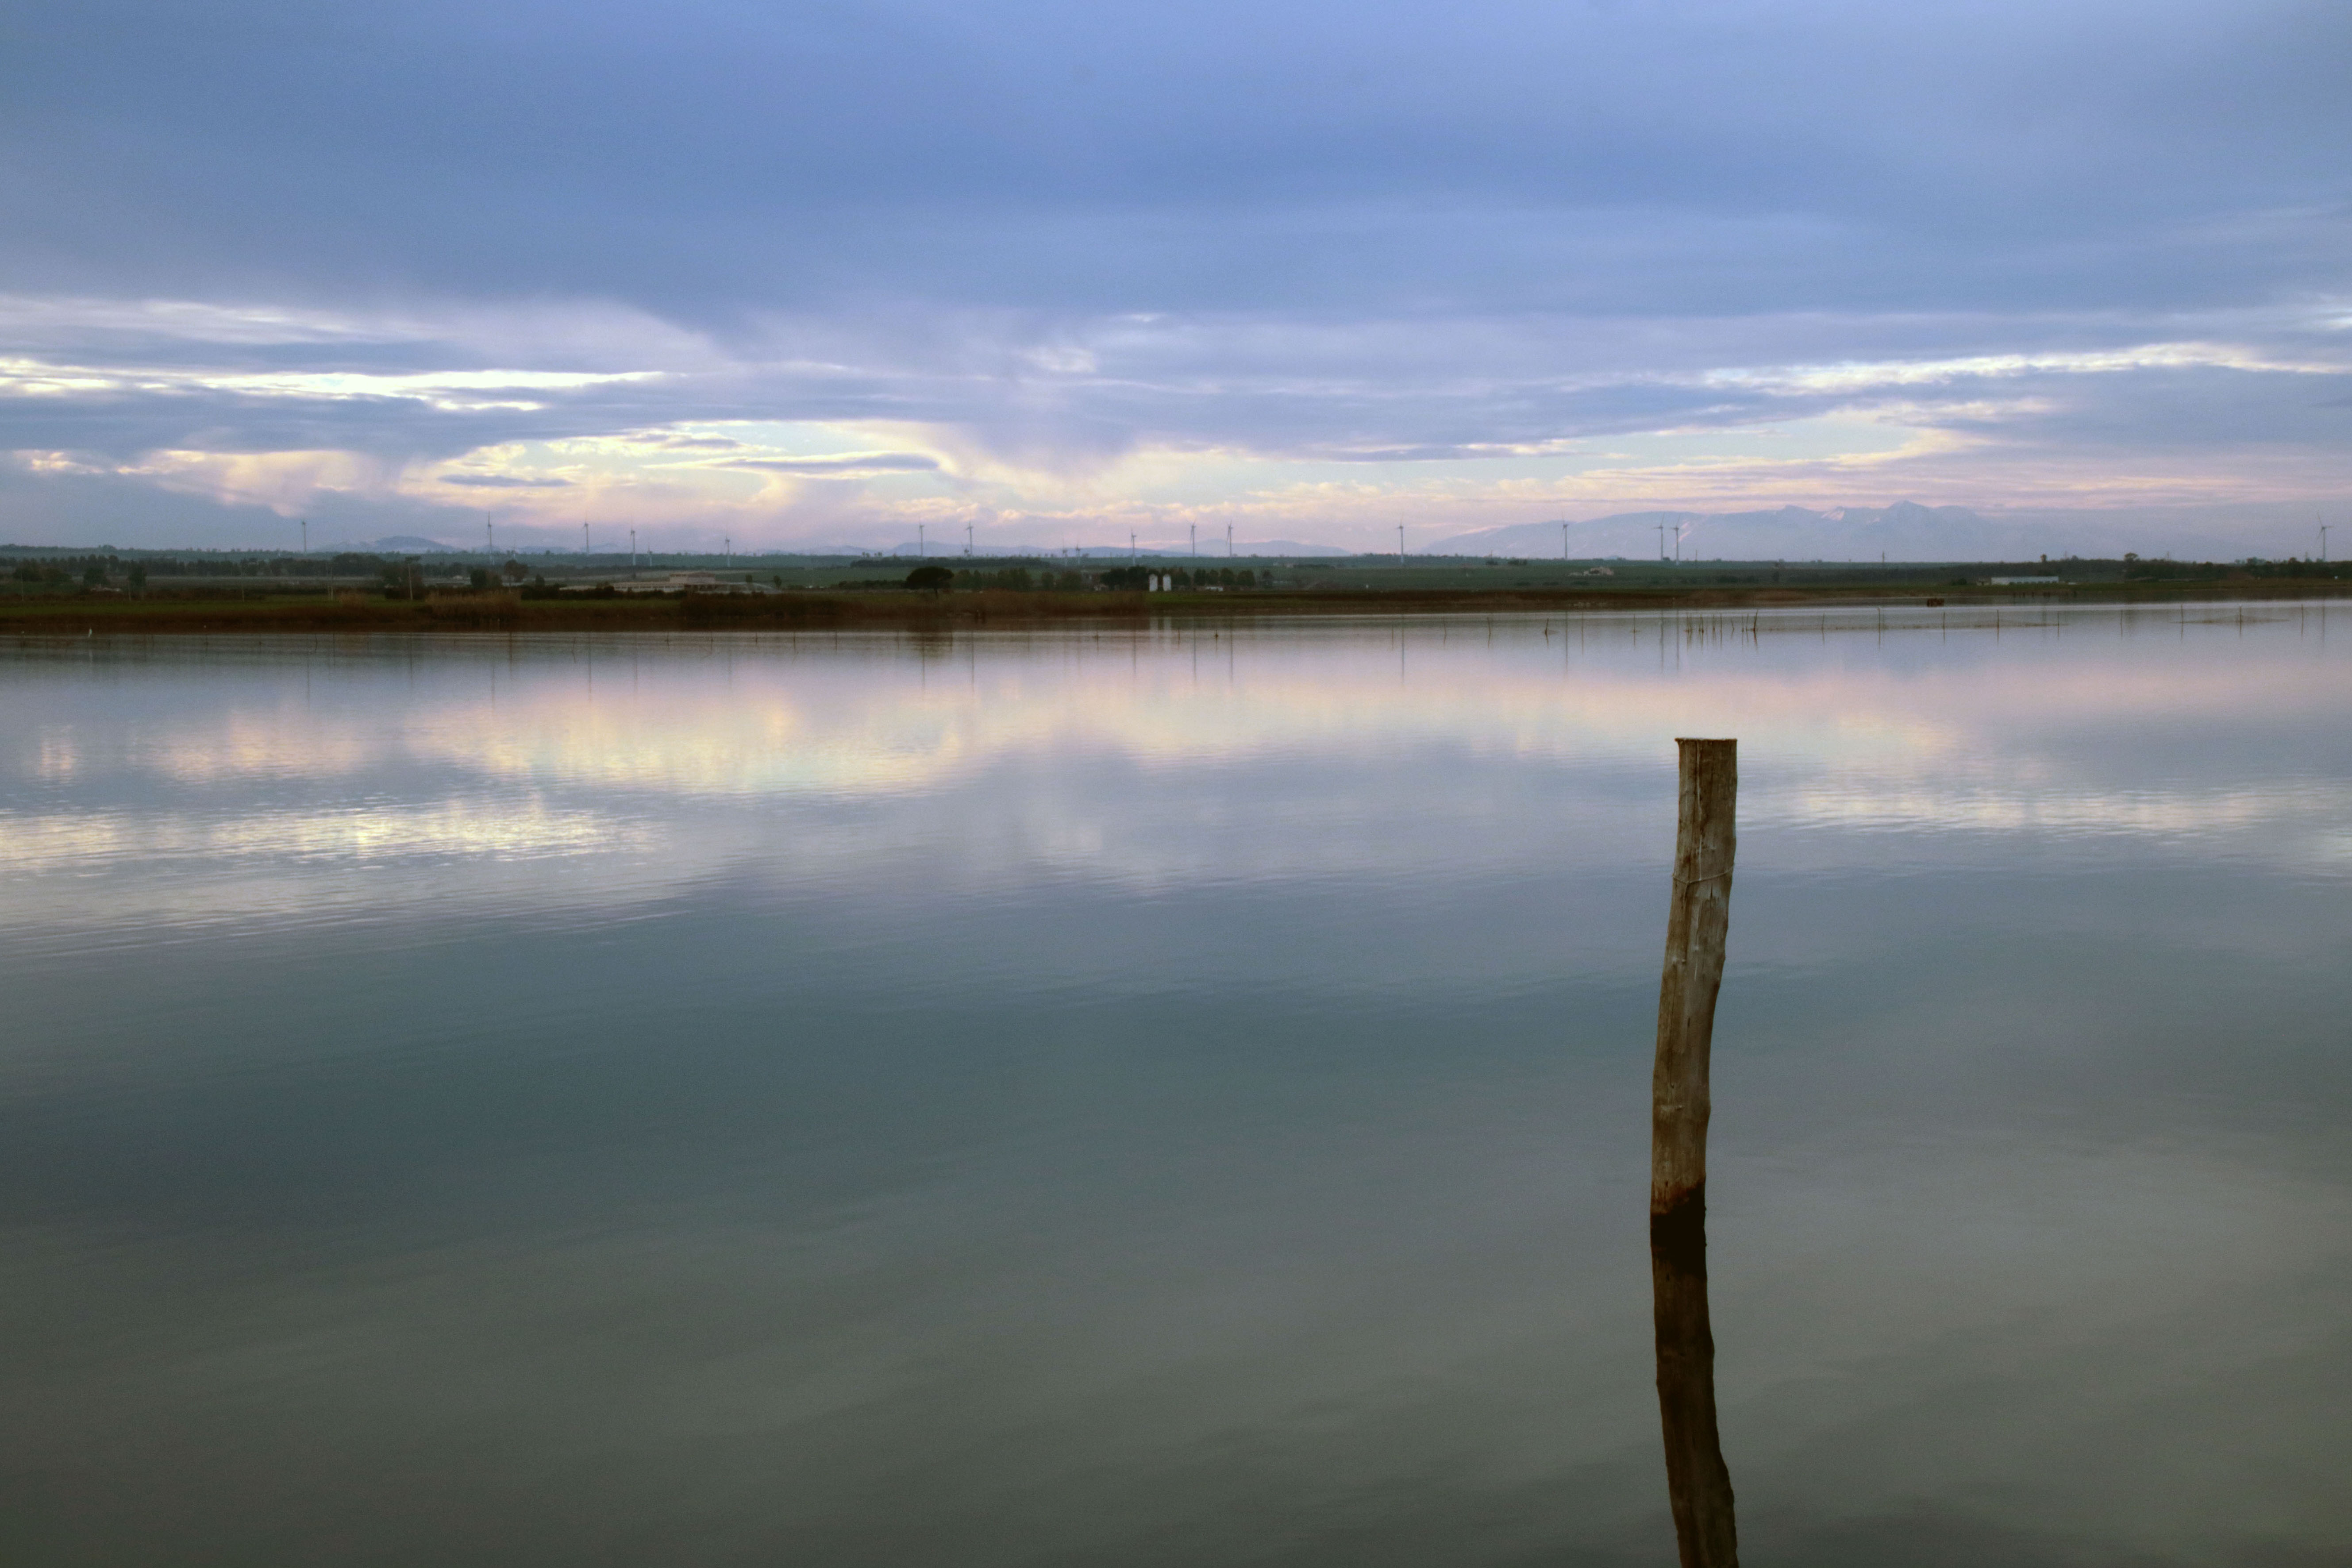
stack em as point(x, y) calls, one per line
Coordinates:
point(1172, 1099)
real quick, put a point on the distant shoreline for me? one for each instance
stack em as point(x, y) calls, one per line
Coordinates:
point(155, 615)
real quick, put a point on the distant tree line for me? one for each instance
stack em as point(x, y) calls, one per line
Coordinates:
point(102, 569)
point(935, 578)
point(346, 563)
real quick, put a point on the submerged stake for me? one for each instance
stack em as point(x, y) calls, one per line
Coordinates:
point(1697, 1483)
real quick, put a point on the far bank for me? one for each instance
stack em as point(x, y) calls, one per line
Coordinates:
point(81, 614)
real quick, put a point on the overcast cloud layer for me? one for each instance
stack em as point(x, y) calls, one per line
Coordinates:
point(1061, 272)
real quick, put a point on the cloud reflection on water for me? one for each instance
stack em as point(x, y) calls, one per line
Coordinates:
point(1015, 1101)
point(611, 749)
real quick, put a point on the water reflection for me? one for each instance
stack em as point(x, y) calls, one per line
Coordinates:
point(1167, 1098)
point(1699, 1482)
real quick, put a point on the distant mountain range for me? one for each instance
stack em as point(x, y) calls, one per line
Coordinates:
point(1210, 550)
point(1903, 531)
point(396, 544)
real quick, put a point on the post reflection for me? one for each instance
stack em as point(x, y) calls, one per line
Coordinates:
point(1697, 1480)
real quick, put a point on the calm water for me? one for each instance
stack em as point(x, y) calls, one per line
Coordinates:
point(1170, 1099)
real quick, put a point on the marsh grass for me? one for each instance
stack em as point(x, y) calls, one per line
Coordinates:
point(497, 608)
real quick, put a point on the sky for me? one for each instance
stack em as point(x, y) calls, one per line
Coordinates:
point(1056, 274)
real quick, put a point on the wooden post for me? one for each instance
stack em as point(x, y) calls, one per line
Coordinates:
point(1697, 1483)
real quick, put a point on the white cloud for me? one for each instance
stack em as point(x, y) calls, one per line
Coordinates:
point(450, 390)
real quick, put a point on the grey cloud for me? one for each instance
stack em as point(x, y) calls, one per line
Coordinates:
point(696, 444)
point(852, 463)
point(2206, 407)
point(1393, 389)
point(1399, 454)
point(112, 508)
point(503, 482)
point(707, 158)
point(1397, 232)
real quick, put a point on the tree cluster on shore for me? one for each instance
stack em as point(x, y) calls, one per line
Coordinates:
point(1132, 579)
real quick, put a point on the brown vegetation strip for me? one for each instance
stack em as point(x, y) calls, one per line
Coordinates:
point(77, 615)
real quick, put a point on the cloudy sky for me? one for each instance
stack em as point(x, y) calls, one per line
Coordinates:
point(829, 270)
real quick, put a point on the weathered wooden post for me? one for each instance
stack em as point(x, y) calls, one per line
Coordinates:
point(1697, 1483)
